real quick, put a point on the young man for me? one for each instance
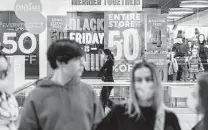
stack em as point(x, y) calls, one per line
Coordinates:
point(62, 102)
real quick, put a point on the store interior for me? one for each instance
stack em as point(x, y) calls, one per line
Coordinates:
point(178, 20)
point(186, 22)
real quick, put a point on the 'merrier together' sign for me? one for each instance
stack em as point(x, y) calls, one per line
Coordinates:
point(106, 2)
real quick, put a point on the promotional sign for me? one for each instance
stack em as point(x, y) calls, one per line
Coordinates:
point(159, 59)
point(105, 5)
point(156, 32)
point(124, 36)
point(16, 40)
point(85, 28)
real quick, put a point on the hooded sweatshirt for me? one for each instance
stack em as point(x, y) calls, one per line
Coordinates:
point(51, 106)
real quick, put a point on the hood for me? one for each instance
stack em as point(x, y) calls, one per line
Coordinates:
point(47, 82)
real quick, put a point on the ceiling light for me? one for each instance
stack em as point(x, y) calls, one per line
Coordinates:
point(180, 11)
point(174, 17)
point(171, 20)
point(194, 4)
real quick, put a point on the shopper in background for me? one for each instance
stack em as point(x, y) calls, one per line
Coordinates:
point(201, 96)
point(62, 102)
point(195, 65)
point(181, 51)
point(180, 34)
point(144, 110)
point(203, 51)
point(173, 67)
point(106, 71)
point(8, 104)
point(196, 32)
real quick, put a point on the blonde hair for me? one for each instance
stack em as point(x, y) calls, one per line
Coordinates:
point(132, 107)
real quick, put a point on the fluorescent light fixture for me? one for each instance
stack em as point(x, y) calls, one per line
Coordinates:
point(171, 20)
point(174, 16)
point(180, 11)
point(194, 4)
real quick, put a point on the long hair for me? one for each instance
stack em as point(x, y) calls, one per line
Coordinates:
point(132, 107)
point(203, 94)
point(109, 54)
point(203, 42)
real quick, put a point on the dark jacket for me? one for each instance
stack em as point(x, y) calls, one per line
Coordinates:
point(180, 49)
point(51, 106)
point(118, 120)
point(107, 69)
point(203, 52)
point(199, 126)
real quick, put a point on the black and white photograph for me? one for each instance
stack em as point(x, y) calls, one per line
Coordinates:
point(104, 65)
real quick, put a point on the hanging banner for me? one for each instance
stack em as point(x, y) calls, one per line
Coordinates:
point(105, 5)
point(124, 36)
point(16, 40)
point(159, 59)
point(157, 32)
point(85, 28)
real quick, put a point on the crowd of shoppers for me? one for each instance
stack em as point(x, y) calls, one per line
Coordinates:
point(191, 56)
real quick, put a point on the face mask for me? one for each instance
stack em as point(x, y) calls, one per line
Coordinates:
point(145, 94)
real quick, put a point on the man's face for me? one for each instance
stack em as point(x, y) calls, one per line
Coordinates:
point(73, 68)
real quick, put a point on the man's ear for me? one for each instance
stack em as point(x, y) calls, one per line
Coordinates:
point(58, 63)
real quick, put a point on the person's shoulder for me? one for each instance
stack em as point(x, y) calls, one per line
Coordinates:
point(171, 115)
point(87, 89)
point(39, 92)
point(199, 126)
point(86, 86)
point(36, 93)
point(118, 110)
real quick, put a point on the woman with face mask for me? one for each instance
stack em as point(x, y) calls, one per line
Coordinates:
point(144, 110)
point(8, 103)
point(199, 101)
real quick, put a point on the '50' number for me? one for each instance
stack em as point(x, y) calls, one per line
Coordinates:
point(130, 48)
point(20, 44)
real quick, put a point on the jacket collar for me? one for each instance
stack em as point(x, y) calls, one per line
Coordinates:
point(48, 82)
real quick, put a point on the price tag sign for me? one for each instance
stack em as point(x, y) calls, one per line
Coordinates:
point(124, 36)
